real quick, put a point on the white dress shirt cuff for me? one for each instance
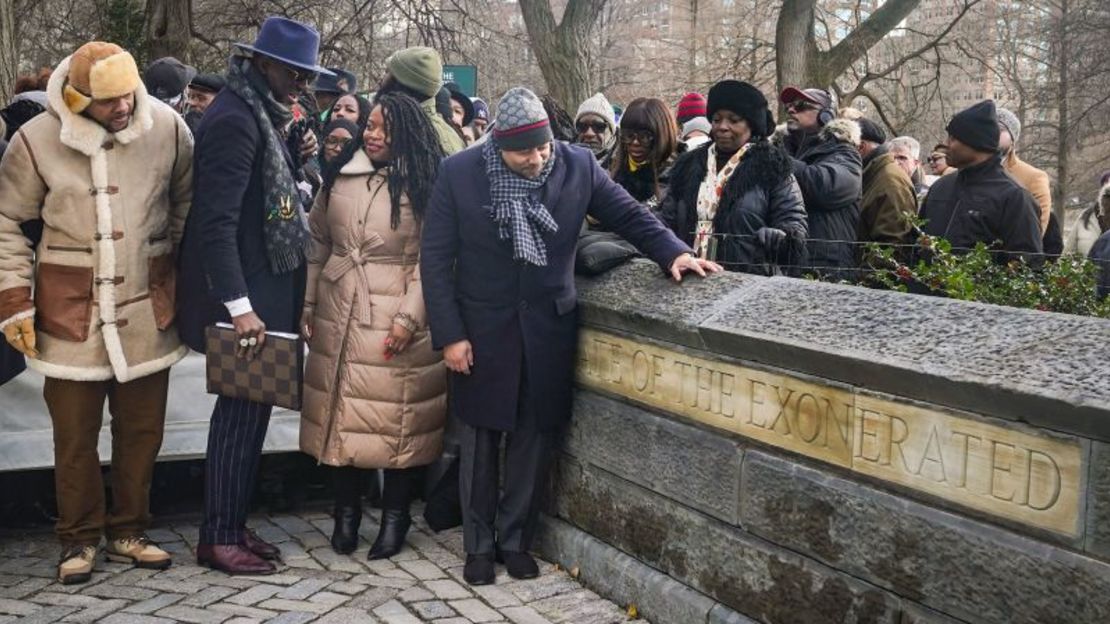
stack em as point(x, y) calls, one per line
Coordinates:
point(239, 306)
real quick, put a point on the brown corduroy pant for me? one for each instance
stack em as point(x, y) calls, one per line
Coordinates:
point(138, 410)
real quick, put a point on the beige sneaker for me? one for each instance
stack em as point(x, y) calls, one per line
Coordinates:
point(76, 564)
point(138, 550)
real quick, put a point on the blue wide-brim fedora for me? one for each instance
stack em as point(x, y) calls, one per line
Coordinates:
point(288, 41)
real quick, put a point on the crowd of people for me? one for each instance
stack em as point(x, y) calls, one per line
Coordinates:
point(424, 245)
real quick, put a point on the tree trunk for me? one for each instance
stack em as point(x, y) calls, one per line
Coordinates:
point(1062, 135)
point(169, 28)
point(795, 44)
point(560, 48)
point(9, 55)
point(800, 63)
point(694, 35)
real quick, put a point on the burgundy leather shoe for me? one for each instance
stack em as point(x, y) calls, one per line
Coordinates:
point(260, 547)
point(233, 559)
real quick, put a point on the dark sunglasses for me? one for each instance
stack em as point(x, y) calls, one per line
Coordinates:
point(299, 76)
point(599, 127)
point(643, 138)
point(801, 106)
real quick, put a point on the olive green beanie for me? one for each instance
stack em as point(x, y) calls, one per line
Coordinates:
point(418, 68)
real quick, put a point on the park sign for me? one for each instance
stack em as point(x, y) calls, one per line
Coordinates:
point(466, 76)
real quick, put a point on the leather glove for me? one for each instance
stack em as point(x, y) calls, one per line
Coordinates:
point(21, 336)
point(770, 239)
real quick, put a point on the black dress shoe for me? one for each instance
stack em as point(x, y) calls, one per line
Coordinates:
point(519, 565)
point(344, 537)
point(391, 536)
point(478, 570)
point(260, 547)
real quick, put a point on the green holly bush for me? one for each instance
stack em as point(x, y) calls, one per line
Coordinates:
point(1066, 284)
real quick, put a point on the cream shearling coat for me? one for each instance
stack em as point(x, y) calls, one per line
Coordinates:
point(114, 207)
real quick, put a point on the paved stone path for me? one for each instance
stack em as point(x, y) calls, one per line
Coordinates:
point(421, 584)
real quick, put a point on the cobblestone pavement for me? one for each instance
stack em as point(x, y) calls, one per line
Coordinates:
point(421, 584)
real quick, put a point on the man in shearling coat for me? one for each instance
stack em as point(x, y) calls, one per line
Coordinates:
point(109, 171)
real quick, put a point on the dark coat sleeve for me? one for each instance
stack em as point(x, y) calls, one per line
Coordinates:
point(224, 160)
point(1100, 255)
point(787, 210)
point(439, 248)
point(620, 213)
point(1021, 225)
point(832, 181)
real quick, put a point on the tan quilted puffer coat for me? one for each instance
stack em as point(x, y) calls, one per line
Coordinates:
point(360, 408)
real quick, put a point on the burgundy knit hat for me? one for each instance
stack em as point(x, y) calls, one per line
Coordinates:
point(691, 105)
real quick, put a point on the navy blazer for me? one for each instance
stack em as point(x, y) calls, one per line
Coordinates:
point(518, 317)
point(223, 251)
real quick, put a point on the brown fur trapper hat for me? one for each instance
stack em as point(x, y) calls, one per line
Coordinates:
point(99, 71)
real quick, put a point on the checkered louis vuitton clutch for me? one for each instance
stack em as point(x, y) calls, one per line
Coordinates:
point(273, 377)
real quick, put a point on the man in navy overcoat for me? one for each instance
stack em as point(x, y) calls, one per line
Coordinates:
point(497, 263)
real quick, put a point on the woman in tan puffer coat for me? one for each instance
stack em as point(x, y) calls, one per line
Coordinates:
point(375, 390)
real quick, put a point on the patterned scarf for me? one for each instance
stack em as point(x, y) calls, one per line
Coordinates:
point(709, 198)
point(286, 226)
point(518, 214)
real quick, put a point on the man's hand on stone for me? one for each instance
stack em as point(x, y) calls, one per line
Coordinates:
point(250, 331)
point(459, 356)
point(687, 262)
point(21, 336)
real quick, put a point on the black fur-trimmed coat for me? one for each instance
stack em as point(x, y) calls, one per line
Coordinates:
point(761, 193)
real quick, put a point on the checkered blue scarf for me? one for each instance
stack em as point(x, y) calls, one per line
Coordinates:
point(519, 215)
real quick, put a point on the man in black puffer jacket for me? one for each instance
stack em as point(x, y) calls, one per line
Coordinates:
point(750, 207)
point(829, 171)
point(981, 203)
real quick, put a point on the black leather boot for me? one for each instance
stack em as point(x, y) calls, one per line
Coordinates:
point(348, 510)
point(391, 536)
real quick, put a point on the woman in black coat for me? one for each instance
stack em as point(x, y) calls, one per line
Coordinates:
point(747, 214)
point(648, 140)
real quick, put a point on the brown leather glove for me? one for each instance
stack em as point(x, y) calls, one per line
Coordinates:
point(21, 336)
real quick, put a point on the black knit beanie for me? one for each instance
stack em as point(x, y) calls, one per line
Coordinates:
point(871, 131)
point(976, 126)
point(744, 100)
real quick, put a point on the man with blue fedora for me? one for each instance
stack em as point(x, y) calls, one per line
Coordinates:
point(243, 261)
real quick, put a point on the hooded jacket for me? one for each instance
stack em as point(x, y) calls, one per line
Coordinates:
point(829, 172)
point(361, 408)
point(982, 203)
point(762, 192)
point(114, 207)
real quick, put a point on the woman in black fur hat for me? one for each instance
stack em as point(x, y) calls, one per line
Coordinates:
point(735, 199)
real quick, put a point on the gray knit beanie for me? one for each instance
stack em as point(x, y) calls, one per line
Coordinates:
point(522, 122)
point(598, 105)
point(1008, 120)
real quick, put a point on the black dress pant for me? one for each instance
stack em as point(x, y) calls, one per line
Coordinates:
point(508, 518)
point(235, 438)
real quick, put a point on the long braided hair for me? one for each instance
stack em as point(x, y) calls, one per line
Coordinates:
point(416, 154)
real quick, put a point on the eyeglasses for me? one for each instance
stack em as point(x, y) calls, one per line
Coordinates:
point(599, 127)
point(339, 142)
point(299, 77)
point(801, 106)
point(935, 157)
point(643, 138)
